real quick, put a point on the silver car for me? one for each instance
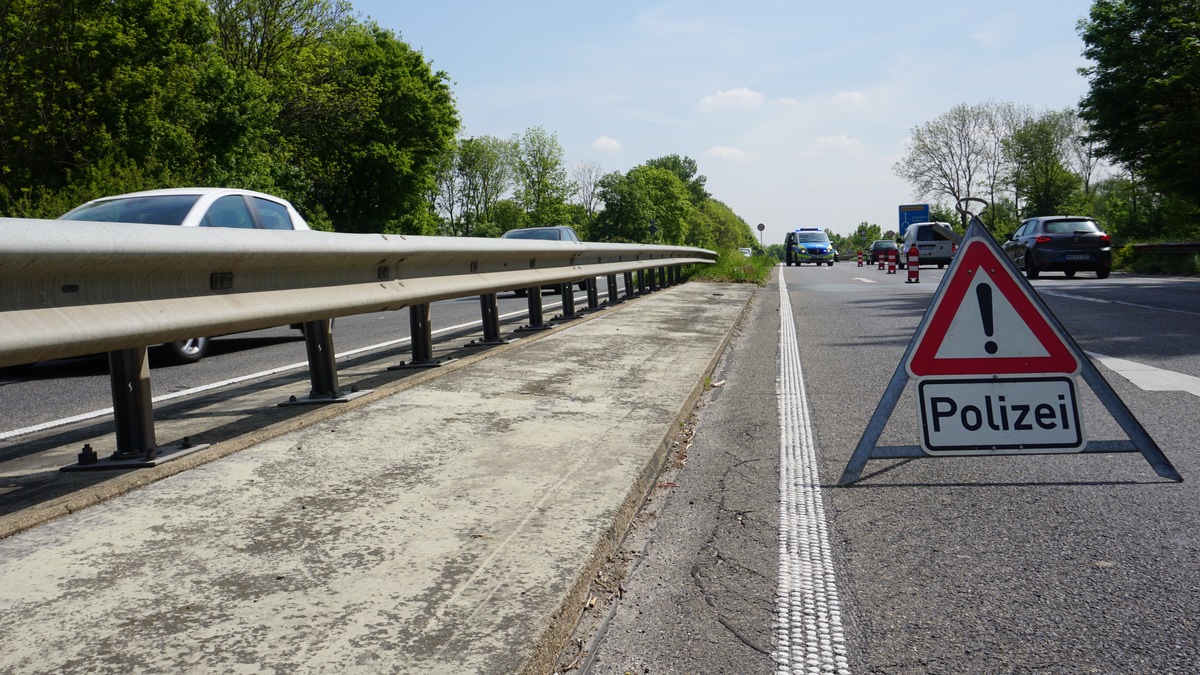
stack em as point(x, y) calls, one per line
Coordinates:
point(192, 207)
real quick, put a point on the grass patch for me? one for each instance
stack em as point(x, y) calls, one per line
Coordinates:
point(732, 266)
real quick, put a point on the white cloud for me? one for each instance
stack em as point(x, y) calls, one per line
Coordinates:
point(724, 152)
point(841, 144)
point(607, 145)
point(733, 98)
point(849, 97)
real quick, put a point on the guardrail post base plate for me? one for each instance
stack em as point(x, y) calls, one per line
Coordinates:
point(156, 456)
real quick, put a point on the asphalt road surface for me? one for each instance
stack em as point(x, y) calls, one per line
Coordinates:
point(1037, 563)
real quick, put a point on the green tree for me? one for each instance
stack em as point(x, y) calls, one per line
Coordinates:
point(686, 169)
point(948, 157)
point(486, 168)
point(375, 170)
point(266, 36)
point(864, 235)
point(643, 197)
point(728, 230)
point(101, 97)
point(508, 215)
point(1038, 150)
point(1143, 105)
point(542, 184)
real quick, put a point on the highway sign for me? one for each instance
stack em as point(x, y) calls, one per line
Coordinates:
point(995, 415)
point(983, 321)
point(912, 213)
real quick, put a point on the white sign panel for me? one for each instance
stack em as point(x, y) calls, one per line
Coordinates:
point(999, 415)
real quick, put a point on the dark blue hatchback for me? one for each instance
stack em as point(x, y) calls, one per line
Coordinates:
point(1067, 244)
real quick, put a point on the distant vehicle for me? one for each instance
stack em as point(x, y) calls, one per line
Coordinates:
point(934, 242)
point(879, 249)
point(748, 252)
point(1065, 244)
point(547, 233)
point(808, 244)
point(192, 207)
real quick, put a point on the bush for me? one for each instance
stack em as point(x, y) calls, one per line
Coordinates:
point(732, 266)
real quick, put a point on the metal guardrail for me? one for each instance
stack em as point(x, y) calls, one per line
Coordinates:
point(72, 288)
point(69, 288)
point(1172, 247)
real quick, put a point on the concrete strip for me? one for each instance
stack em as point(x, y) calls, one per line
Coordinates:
point(450, 527)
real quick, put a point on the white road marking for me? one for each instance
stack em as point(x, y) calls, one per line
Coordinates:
point(865, 281)
point(1119, 302)
point(1149, 378)
point(808, 619)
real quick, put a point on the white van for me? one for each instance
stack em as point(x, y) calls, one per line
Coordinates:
point(935, 243)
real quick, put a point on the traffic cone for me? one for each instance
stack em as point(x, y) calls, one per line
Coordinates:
point(914, 265)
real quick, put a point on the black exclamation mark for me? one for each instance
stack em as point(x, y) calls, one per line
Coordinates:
point(984, 293)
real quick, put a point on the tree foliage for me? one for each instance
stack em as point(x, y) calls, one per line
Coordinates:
point(948, 157)
point(542, 184)
point(1143, 105)
point(660, 194)
point(286, 96)
point(1038, 151)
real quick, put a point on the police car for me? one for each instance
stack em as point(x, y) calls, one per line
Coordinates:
point(808, 244)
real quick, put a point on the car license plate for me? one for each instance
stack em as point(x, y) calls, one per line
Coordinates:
point(1078, 256)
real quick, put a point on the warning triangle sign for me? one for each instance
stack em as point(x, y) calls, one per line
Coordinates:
point(984, 322)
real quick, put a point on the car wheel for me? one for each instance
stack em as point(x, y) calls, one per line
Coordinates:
point(1070, 274)
point(186, 351)
point(1102, 274)
point(941, 265)
point(520, 292)
point(1031, 270)
point(830, 263)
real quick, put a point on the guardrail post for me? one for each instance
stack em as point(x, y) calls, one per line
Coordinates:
point(666, 276)
point(322, 366)
point(133, 412)
point(653, 280)
point(567, 290)
point(491, 322)
point(537, 320)
point(421, 334)
point(129, 373)
point(641, 282)
point(593, 293)
point(629, 285)
point(612, 289)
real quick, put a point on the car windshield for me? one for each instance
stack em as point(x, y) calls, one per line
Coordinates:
point(154, 210)
point(930, 234)
point(542, 233)
point(1070, 226)
point(812, 236)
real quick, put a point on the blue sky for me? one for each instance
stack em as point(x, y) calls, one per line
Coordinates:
point(795, 111)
